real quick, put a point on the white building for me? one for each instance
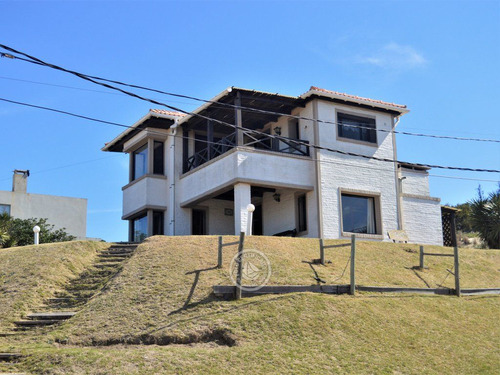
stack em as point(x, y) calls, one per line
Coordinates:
point(196, 174)
point(61, 212)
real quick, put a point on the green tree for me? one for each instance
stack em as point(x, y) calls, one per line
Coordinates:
point(20, 231)
point(463, 218)
point(485, 217)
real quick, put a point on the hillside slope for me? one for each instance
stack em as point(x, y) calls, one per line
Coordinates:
point(163, 295)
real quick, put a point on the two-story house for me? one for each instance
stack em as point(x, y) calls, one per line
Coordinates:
point(196, 173)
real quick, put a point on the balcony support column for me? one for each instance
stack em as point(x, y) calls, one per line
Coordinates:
point(238, 117)
point(242, 198)
point(210, 138)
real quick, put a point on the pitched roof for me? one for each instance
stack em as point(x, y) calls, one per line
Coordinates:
point(359, 99)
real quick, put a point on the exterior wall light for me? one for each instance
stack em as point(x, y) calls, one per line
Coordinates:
point(36, 231)
point(277, 130)
point(277, 197)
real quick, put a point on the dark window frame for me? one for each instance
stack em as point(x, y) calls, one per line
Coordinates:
point(376, 213)
point(366, 132)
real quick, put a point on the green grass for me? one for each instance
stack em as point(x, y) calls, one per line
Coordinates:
point(165, 290)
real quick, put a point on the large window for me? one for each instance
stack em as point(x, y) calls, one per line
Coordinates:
point(358, 214)
point(140, 167)
point(357, 128)
point(4, 209)
point(140, 228)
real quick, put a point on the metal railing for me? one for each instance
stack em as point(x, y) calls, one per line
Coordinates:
point(284, 145)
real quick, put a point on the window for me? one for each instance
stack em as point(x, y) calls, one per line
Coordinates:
point(140, 228)
point(5, 209)
point(357, 128)
point(301, 213)
point(140, 160)
point(158, 158)
point(358, 214)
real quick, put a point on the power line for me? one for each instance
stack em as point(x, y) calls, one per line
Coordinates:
point(213, 142)
point(246, 130)
point(82, 75)
point(210, 142)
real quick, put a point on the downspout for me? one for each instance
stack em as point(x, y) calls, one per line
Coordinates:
point(398, 177)
point(318, 169)
point(171, 172)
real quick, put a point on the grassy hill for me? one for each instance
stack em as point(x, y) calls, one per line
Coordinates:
point(163, 296)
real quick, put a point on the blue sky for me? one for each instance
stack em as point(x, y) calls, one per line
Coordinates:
point(440, 58)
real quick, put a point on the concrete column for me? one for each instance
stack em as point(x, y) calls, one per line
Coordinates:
point(242, 198)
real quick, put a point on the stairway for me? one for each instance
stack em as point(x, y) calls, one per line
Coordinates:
point(77, 292)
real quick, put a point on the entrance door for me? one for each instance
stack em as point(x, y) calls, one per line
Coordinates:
point(199, 222)
point(257, 221)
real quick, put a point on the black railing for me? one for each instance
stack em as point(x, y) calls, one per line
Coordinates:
point(211, 151)
point(285, 145)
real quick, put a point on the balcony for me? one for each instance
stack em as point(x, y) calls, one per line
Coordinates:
point(213, 150)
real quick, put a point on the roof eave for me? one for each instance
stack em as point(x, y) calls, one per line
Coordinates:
point(388, 107)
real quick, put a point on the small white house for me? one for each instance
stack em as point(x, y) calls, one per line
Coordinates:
point(61, 212)
point(196, 174)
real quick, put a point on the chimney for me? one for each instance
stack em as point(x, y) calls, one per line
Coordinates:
point(20, 181)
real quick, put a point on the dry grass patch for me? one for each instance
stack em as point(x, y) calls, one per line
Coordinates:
point(29, 274)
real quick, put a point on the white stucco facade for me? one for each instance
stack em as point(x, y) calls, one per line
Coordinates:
point(62, 212)
point(295, 192)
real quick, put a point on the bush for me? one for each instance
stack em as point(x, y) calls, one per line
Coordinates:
point(20, 231)
point(485, 217)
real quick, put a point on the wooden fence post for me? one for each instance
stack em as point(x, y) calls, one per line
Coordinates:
point(219, 253)
point(321, 252)
point(421, 257)
point(353, 265)
point(240, 265)
point(457, 271)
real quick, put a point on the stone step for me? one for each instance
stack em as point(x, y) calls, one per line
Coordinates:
point(111, 259)
point(65, 299)
point(58, 315)
point(115, 255)
point(35, 323)
point(9, 356)
point(109, 265)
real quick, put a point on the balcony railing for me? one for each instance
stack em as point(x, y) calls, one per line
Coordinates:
point(284, 145)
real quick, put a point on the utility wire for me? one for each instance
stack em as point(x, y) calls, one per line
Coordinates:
point(40, 62)
point(212, 142)
point(246, 130)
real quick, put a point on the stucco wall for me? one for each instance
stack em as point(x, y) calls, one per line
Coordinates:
point(416, 182)
point(422, 220)
point(148, 191)
point(349, 172)
point(62, 212)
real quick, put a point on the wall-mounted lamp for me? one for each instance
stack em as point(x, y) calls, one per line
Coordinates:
point(277, 197)
point(277, 130)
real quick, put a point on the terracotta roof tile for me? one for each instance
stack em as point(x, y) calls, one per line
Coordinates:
point(168, 113)
point(357, 97)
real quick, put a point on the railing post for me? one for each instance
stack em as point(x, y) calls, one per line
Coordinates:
point(240, 265)
point(219, 253)
point(321, 252)
point(457, 271)
point(421, 257)
point(353, 265)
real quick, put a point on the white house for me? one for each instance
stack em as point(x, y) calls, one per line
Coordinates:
point(196, 174)
point(61, 212)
